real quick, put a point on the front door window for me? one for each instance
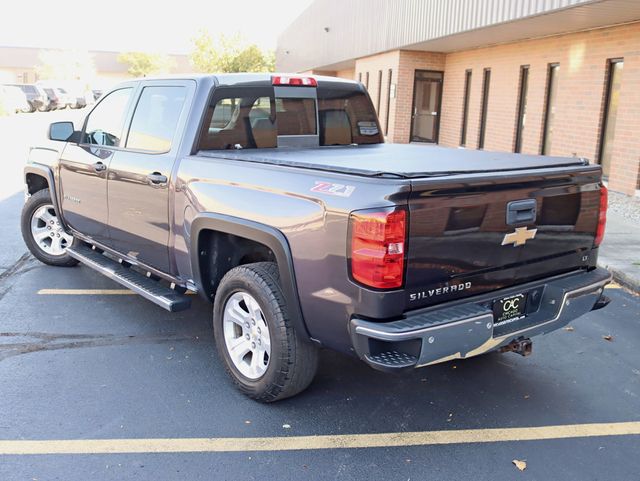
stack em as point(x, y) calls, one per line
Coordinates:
point(426, 106)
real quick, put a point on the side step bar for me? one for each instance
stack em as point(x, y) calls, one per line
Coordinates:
point(161, 295)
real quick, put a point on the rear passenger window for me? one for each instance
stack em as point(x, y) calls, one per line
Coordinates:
point(156, 118)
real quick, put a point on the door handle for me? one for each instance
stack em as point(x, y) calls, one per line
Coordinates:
point(521, 211)
point(99, 167)
point(157, 178)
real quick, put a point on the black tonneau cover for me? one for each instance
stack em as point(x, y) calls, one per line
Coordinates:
point(397, 160)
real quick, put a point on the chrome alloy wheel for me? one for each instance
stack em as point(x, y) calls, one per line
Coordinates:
point(47, 231)
point(246, 335)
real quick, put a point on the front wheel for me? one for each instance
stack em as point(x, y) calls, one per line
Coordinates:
point(42, 232)
point(261, 350)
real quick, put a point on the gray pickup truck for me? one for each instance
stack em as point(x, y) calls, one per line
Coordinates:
point(275, 198)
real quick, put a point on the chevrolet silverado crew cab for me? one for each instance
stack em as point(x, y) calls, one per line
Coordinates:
point(275, 198)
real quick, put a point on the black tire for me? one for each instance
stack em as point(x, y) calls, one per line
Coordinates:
point(37, 200)
point(293, 361)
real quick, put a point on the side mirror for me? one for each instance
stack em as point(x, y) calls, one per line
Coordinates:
point(61, 131)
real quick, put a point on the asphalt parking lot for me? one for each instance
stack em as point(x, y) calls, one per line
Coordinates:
point(97, 384)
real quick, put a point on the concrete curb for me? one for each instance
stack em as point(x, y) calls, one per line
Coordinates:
point(624, 279)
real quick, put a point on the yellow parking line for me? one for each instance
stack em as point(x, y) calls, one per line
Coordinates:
point(612, 285)
point(304, 443)
point(89, 292)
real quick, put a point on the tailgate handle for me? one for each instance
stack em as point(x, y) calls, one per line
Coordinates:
point(521, 211)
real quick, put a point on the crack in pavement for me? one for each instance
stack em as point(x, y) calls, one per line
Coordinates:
point(52, 342)
point(24, 264)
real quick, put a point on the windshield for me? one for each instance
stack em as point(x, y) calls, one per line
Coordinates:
point(253, 118)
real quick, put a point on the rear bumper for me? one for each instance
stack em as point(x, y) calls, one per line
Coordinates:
point(462, 330)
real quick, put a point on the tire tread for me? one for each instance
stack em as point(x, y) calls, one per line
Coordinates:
point(299, 360)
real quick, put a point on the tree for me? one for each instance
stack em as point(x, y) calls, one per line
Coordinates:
point(229, 54)
point(142, 64)
point(66, 65)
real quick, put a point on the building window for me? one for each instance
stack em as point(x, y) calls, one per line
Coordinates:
point(366, 80)
point(522, 107)
point(360, 77)
point(386, 120)
point(379, 92)
point(614, 80)
point(465, 107)
point(486, 81)
point(550, 109)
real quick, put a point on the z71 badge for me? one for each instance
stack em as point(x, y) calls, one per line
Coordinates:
point(329, 188)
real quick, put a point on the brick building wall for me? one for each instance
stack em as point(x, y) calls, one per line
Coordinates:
point(583, 59)
point(372, 65)
point(403, 64)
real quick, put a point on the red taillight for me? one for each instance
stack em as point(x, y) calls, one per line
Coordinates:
point(294, 81)
point(602, 216)
point(377, 247)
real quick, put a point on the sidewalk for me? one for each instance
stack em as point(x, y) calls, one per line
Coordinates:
point(620, 250)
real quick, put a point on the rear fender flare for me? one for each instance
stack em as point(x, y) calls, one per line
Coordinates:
point(264, 234)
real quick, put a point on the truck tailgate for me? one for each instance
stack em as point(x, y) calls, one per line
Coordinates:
point(457, 227)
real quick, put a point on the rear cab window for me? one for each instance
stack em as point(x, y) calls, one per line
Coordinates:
point(256, 117)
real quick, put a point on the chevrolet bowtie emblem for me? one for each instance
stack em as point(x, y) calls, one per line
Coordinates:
point(519, 237)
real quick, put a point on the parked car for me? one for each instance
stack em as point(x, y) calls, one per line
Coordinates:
point(55, 98)
point(276, 199)
point(83, 98)
point(66, 99)
point(35, 96)
point(14, 99)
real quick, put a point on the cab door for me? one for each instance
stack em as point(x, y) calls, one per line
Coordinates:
point(140, 175)
point(84, 166)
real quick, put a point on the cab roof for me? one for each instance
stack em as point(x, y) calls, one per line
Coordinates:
point(229, 79)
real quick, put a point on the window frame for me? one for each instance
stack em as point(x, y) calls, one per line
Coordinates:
point(379, 96)
point(547, 106)
point(464, 127)
point(484, 107)
point(386, 120)
point(523, 91)
point(604, 119)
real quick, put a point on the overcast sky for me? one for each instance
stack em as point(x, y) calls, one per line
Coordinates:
point(158, 26)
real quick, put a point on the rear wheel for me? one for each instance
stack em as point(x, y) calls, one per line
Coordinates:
point(42, 232)
point(261, 350)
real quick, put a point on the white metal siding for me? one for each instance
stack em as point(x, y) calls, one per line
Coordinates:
point(358, 28)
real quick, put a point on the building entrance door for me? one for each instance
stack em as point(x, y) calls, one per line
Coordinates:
point(427, 99)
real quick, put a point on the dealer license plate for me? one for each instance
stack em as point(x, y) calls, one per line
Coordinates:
point(509, 309)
